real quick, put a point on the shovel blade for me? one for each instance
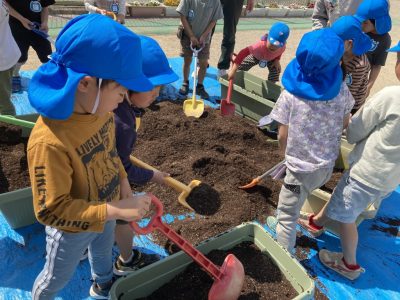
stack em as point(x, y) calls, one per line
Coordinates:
point(230, 285)
point(227, 108)
point(193, 108)
point(253, 183)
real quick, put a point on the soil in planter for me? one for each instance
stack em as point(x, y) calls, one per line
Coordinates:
point(332, 183)
point(263, 278)
point(14, 173)
point(223, 153)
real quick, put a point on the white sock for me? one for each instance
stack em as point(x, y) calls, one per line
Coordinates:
point(128, 260)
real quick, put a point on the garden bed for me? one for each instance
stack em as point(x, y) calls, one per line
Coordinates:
point(263, 278)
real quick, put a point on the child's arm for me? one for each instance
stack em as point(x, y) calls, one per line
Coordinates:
point(282, 137)
point(90, 7)
point(188, 31)
point(373, 75)
point(24, 21)
point(320, 16)
point(206, 32)
point(237, 62)
point(44, 15)
point(122, 12)
point(129, 209)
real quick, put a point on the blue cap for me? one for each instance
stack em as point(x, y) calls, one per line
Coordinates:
point(88, 45)
point(278, 34)
point(377, 10)
point(349, 28)
point(395, 48)
point(315, 73)
point(155, 63)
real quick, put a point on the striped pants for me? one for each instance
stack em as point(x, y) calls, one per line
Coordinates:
point(64, 251)
point(250, 61)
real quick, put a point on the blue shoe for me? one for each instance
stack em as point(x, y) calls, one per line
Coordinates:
point(271, 223)
point(16, 84)
point(101, 291)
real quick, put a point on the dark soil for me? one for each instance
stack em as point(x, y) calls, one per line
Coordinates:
point(331, 184)
point(223, 153)
point(263, 278)
point(14, 173)
point(393, 226)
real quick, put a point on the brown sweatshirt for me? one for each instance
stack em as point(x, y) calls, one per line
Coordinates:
point(74, 169)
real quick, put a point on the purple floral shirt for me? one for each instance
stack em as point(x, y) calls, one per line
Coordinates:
point(315, 129)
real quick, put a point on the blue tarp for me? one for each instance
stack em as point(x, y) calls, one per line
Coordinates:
point(23, 250)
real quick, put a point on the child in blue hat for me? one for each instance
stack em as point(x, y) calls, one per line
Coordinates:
point(376, 22)
point(266, 53)
point(355, 63)
point(312, 112)
point(79, 184)
point(156, 68)
point(374, 173)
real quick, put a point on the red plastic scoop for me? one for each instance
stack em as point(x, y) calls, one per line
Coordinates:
point(228, 279)
point(228, 108)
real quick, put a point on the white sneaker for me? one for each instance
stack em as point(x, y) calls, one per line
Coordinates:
point(222, 72)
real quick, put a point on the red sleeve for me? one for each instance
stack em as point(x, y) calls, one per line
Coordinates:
point(242, 55)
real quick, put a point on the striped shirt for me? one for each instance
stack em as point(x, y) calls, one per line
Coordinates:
point(356, 76)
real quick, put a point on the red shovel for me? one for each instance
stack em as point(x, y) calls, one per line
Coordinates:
point(228, 279)
point(228, 108)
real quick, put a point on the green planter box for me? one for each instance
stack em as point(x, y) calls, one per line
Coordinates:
point(145, 281)
point(253, 97)
point(17, 206)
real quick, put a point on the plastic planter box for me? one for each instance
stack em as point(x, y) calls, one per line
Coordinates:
point(253, 97)
point(145, 281)
point(17, 206)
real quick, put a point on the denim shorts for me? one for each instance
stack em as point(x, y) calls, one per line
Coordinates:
point(350, 198)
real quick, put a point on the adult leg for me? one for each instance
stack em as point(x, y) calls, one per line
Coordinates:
point(6, 106)
point(232, 10)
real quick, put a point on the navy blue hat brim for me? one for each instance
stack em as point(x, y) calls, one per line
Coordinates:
point(164, 78)
point(52, 90)
point(323, 87)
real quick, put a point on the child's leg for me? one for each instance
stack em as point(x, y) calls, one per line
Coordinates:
point(273, 72)
point(349, 241)
point(6, 107)
point(295, 190)
point(186, 67)
point(249, 62)
point(100, 254)
point(202, 70)
point(124, 238)
point(63, 255)
point(41, 46)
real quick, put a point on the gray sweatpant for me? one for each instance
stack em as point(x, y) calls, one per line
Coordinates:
point(296, 188)
point(64, 251)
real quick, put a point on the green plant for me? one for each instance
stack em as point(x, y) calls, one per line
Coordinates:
point(153, 3)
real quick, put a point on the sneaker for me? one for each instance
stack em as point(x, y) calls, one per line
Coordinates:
point(139, 261)
point(272, 222)
point(84, 255)
point(184, 90)
point(101, 291)
point(335, 261)
point(16, 84)
point(200, 90)
point(306, 221)
point(222, 72)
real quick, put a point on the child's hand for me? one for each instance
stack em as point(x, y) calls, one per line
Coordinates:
point(129, 209)
point(102, 11)
point(158, 177)
point(231, 74)
point(194, 41)
point(121, 19)
point(26, 23)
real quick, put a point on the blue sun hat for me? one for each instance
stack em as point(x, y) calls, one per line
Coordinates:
point(395, 48)
point(88, 45)
point(278, 34)
point(350, 28)
point(315, 73)
point(377, 10)
point(155, 63)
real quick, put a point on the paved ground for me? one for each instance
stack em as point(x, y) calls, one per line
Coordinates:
point(249, 31)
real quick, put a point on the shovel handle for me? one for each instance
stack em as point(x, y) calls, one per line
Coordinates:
point(175, 184)
point(230, 88)
point(196, 255)
point(261, 177)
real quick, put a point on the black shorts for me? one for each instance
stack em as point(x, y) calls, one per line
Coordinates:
point(26, 38)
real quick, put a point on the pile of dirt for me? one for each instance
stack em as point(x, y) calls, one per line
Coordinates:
point(263, 278)
point(14, 173)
